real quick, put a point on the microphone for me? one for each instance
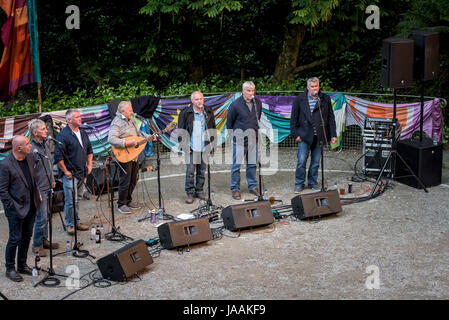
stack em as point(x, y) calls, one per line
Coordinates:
point(41, 154)
point(150, 168)
point(88, 126)
point(139, 117)
point(315, 93)
point(54, 140)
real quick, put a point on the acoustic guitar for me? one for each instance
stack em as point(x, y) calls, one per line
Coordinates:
point(130, 153)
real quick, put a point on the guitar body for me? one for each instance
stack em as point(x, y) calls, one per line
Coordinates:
point(130, 153)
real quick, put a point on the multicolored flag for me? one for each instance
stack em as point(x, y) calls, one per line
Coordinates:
point(20, 61)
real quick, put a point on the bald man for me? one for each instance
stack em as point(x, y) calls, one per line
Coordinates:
point(21, 199)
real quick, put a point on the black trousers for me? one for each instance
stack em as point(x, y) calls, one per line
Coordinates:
point(20, 232)
point(128, 182)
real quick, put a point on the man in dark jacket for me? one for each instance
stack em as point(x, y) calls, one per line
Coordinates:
point(21, 198)
point(243, 125)
point(196, 119)
point(310, 109)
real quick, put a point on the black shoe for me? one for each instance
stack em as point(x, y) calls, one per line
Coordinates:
point(12, 275)
point(200, 195)
point(255, 192)
point(25, 270)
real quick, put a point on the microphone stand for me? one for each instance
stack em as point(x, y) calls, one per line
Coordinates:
point(76, 247)
point(158, 167)
point(49, 277)
point(114, 235)
point(322, 143)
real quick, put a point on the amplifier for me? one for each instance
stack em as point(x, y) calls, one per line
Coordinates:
point(125, 262)
point(183, 233)
point(250, 214)
point(317, 204)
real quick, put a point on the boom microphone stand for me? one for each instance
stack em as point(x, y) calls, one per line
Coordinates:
point(322, 143)
point(114, 235)
point(49, 277)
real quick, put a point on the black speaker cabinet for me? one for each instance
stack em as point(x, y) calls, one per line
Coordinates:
point(183, 233)
point(125, 262)
point(427, 46)
point(397, 63)
point(245, 215)
point(97, 180)
point(425, 160)
point(317, 204)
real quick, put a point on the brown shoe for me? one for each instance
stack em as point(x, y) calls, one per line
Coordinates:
point(39, 250)
point(54, 245)
point(255, 192)
point(236, 195)
point(201, 196)
point(71, 230)
point(189, 198)
point(82, 227)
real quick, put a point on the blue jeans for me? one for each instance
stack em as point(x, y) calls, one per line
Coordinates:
point(303, 152)
point(20, 232)
point(195, 162)
point(68, 200)
point(40, 224)
point(250, 155)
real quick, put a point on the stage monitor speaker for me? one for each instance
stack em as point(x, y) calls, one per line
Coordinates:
point(397, 63)
point(97, 180)
point(317, 204)
point(427, 46)
point(183, 233)
point(246, 215)
point(425, 160)
point(125, 262)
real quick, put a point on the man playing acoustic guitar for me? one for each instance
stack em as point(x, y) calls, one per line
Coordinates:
point(124, 126)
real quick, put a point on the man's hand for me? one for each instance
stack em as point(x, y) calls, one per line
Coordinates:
point(298, 139)
point(68, 174)
point(89, 168)
point(333, 139)
point(131, 143)
point(53, 185)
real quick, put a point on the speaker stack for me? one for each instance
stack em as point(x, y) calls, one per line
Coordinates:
point(397, 63)
point(247, 215)
point(125, 262)
point(317, 204)
point(184, 233)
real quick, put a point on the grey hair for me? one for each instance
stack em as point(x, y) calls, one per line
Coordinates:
point(68, 114)
point(122, 105)
point(34, 125)
point(313, 79)
point(248, 84)
point(193, 93)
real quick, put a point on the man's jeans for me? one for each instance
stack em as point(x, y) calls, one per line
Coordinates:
point(67, 184)
point(303, 153)
point(20, 232)
point(250, 155)
point(195, 163)
point(40, 224)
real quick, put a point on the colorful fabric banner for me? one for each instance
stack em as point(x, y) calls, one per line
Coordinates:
point(408, 115)
point(275, 119)
point(16, 66)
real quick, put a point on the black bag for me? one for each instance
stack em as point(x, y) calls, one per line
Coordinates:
point(58, 198)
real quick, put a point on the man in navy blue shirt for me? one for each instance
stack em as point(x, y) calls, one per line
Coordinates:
point(73, 155)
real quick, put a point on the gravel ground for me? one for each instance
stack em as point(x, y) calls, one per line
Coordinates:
point(400, 238)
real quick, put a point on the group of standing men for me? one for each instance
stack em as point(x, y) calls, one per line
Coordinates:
point(26, 177)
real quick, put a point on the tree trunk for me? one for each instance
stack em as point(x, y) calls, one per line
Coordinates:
point(196, 67)
point(286, 64)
